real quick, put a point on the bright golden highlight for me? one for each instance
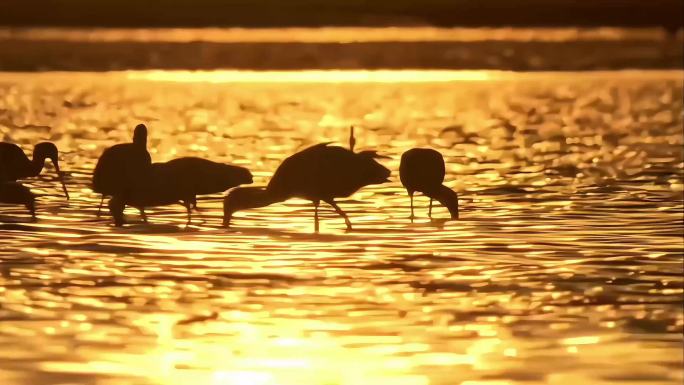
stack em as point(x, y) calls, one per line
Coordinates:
point(564, 268)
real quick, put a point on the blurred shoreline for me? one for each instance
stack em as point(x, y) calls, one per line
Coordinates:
point(514, 49)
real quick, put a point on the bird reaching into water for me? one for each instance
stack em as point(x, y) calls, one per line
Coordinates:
point(422, 170)
point(318, 173)
point(16, 193)
point(14, 164)
point(122, 166)
point(178, 181)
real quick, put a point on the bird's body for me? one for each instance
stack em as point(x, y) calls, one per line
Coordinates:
point(318, 173)
point(15, 165)
point(156, 188)
point(122, 166)
point(16, 193)
point(422, 170)
point(178, 181)
point(197, 176)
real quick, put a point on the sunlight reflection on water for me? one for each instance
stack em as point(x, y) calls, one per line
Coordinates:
point(565, 268)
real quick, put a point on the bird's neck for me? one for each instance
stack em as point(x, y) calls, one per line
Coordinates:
point(447, 197)
point(37, 164)
point(249, 198)
point(140, 141)
point(267, 197)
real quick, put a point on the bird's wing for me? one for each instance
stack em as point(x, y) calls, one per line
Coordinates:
point(12, 158)
point(372, 154)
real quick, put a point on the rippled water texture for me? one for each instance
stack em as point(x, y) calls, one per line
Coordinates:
point(566, 267)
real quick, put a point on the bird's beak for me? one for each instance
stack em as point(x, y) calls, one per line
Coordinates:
point(61, 178)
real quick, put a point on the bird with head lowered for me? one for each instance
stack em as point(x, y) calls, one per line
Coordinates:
point(15, 165)
point(318, 173)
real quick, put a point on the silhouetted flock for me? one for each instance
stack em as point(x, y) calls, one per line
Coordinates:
point(321, 173)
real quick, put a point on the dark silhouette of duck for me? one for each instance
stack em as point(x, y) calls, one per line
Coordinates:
point(422, 170)
point(14, 164)
point(122, 166)
point(16, 193)
point(318, 173)
point(178, 181)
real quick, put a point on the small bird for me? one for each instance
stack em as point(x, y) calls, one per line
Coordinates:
point(318, 173)
point(178, 181)
point(14, 164)
point(422, 170)
point(16, 193)
point(122, 166)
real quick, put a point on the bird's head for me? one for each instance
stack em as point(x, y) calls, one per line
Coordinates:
point(243, 198)
point(236, 176)
point(48, 150)
point(375, 172)
point(140, 135)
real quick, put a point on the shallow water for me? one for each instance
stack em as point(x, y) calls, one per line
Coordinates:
point(565, 268)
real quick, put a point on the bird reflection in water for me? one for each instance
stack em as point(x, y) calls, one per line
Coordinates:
point(16, 193)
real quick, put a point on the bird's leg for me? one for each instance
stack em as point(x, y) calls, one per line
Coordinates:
point(339, 211)
point(31, 206)
point(316, 203)
point(430, 209)
point(411, 196)
point(99, 209)
point(198, 211)
point(142, 214)
point(188, 207)
point(116, 209)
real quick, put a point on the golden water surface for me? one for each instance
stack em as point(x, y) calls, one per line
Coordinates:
point(565, 267)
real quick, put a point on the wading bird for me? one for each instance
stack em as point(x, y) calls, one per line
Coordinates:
point(122, 166)
point(14, 164)
point(16, 193)
point(178, 181)
point(155, 188)
point(197, 176)
point(422, 170)
point(318, 173)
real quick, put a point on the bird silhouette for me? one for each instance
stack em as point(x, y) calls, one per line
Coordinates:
point(16, 193)
point(122, 166)
point(178, 181)
point(318, 173)
point(14, 164)
point(155, 188)
point(197, 176)
point(422, 170)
